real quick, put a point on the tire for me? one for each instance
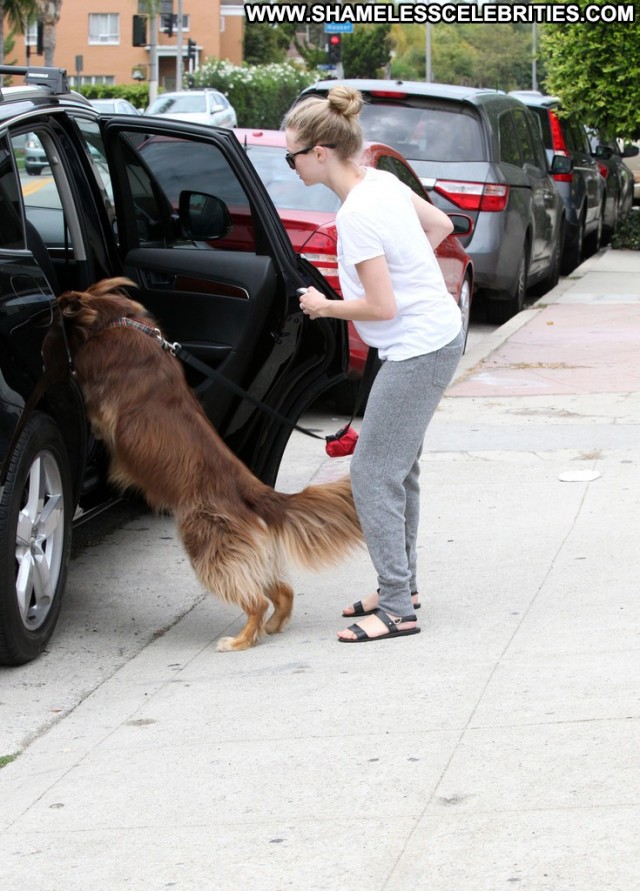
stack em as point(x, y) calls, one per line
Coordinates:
point(36, 510)
point(464, 302)
point(593, 243)
point(500, 311)
point(553, 276)
point(574, 249)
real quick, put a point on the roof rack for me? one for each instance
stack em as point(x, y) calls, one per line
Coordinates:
point(54, 78)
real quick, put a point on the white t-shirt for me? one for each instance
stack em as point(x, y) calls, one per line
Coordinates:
point(378, 219)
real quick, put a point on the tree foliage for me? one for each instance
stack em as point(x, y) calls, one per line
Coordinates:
point(477, 55)
point(367, 51)
point(593, 68)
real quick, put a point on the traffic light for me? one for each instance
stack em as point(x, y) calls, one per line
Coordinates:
point(191, 50)
point(334, 49)
point(139, 30)
point(168, 22)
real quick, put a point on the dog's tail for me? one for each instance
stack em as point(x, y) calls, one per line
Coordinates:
point(319, 525)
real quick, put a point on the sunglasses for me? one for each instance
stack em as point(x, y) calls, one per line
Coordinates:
point(290, 157)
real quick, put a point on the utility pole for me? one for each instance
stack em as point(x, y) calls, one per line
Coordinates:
point(179, 41)
point(153, 55)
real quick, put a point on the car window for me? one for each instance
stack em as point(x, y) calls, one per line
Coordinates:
point(50, 209)
point(11, 229)
point(178, 164)
point(524, 137)
point(187, 103)
point(404, 174)
point(509, 148)
point(285, 188)
point(542, 117)
point(540, 154)
point(444, 133)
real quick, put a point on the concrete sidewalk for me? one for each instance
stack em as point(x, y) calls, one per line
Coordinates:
point(496, 749)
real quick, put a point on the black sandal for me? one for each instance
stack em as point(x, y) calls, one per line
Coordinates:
point(359, 610)
point(361, 635)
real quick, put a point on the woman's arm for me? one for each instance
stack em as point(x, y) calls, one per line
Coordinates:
point(434, 221)
point(378, 304)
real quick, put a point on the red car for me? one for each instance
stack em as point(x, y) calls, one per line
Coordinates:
point(308, 214)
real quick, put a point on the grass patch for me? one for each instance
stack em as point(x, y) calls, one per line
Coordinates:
point(7, 759)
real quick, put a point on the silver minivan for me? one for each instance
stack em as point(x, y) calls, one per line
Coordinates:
point(478, 152)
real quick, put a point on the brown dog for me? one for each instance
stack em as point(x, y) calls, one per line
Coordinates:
point(235, 529)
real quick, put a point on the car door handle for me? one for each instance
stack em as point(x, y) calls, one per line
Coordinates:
point(154, 279)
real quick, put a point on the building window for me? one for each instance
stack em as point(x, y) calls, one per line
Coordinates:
point(31, 34)
point(104, 28)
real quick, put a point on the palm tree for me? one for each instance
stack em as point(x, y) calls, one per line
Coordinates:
point(17, 13)
point(49, 15)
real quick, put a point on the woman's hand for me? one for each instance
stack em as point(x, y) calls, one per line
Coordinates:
point(313, 303)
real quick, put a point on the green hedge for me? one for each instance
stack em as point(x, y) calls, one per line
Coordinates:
point(260, 94)
point(137, 94)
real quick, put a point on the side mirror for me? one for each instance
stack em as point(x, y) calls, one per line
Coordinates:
point(603, 153)
point(630, 151)
point(462, 224)
point(203, 217)
point(561, 164)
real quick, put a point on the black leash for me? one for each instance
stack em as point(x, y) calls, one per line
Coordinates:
point(176, 349)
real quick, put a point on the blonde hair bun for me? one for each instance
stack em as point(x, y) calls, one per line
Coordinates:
point(345, 101)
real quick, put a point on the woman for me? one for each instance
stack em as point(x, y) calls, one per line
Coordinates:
point(395, 295)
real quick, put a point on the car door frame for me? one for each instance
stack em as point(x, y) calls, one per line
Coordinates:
point(306, 359)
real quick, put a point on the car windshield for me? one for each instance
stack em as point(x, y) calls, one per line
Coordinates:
point(285, 188)
point(104, 104)
point(190, 102)
point(425, 134)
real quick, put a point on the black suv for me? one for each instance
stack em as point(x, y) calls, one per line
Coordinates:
point(122, 198)
point(480, 152)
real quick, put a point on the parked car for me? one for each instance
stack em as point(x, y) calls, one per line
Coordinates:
point(478, 152)
point(211, 260)
point(308, 213)
point(210, 107)
point(35, 158)
point(618, 178)
point(115, 106)
point(582, 188)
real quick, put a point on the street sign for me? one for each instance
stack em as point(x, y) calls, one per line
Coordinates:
point(338, 27)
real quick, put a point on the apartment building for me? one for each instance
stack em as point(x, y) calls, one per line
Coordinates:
point(94, 39)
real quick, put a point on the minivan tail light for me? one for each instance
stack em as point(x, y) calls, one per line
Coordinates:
point(321, 250)
point(604, 170)
point(559, 147)
point(474, 196)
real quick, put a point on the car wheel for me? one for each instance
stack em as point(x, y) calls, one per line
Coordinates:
point(464, 302)
point(574, 248)
point(35, 538)
point(607, 231)
point(500, 311)
point(553, 276)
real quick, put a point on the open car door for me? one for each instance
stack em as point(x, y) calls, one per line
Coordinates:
point(199, 236)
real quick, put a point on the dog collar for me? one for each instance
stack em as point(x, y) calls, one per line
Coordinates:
point(126, 322)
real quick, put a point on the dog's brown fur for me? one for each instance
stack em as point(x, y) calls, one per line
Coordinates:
point(235, 529)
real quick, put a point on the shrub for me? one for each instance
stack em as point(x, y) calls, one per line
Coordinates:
point(260, 94)
point(627, 234)
point(137, 94)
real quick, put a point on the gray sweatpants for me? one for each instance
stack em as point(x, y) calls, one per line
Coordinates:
point(385, 466)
